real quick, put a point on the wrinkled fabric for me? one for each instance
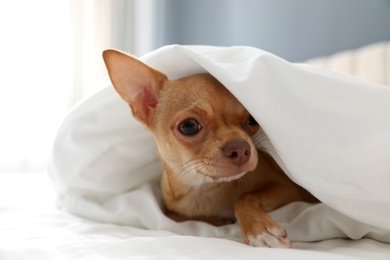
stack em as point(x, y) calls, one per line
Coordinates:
point(329, 132)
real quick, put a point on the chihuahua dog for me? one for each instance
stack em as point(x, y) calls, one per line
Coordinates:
point(212, 170)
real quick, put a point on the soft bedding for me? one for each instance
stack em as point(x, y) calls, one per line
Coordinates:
point(329, 132)
point(32, 228)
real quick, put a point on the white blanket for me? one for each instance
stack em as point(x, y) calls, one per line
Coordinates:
point(329, 132)
point(31, 228)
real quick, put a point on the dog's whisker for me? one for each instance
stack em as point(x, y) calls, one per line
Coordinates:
point(188, 166)
point(258, 141)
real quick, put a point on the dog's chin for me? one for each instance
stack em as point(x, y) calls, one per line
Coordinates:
point(224, 176)
point(229, 178)
point(199, 173)
point(225, 173)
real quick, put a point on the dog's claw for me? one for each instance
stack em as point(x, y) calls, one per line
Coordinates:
point(272, 237)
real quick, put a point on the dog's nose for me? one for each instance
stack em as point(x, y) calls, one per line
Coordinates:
point(238, 151)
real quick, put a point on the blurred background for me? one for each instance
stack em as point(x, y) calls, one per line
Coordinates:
point(50, 51)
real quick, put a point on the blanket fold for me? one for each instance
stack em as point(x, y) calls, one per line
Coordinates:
point(329, 132)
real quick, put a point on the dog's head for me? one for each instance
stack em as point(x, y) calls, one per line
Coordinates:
point(202, 131)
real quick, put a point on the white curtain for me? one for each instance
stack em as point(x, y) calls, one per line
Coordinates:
point(98, 25)
point(50, 58)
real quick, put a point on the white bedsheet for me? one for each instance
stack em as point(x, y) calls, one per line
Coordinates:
point(32, 228)
point(329, 132)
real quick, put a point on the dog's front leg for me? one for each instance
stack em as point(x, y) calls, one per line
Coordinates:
point(258, 228)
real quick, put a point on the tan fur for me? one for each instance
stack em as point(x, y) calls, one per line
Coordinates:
point(200, 181)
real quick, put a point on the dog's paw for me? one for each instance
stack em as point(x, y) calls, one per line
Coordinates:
point(273, 236)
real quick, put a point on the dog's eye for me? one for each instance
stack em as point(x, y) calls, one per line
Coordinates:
point(189, 127)
point(251, 121)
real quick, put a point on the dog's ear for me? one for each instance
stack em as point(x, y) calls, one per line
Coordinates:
point(137, 83)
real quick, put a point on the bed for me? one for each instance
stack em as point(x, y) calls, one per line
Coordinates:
point(102, 198)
